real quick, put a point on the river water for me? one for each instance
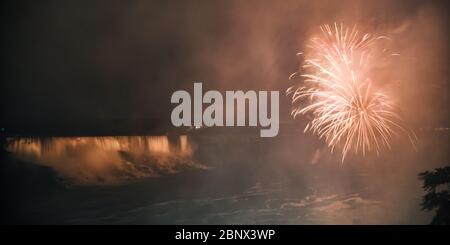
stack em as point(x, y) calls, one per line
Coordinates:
point(213, 179)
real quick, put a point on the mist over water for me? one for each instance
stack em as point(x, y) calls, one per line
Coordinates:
point(216, 178)
point(73, 68)
point(106, 160)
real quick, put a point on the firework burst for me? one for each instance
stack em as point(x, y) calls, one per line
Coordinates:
point(348, 111)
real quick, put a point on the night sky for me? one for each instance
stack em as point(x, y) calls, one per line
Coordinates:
point(106, 61)
point(90, 69)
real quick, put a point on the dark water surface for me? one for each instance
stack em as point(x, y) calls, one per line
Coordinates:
point(207, 178)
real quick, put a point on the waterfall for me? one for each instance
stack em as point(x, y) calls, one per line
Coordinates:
point(109, 159)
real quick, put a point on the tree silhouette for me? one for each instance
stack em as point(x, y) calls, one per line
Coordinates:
point(437, 184)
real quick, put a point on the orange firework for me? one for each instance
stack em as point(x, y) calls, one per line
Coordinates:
point(348, 111)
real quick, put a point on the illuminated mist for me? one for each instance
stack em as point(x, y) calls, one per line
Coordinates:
point(107, 160)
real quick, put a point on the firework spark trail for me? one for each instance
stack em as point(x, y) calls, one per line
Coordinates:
point(348, 112)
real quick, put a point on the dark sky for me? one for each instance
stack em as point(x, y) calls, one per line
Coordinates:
point(103, 60)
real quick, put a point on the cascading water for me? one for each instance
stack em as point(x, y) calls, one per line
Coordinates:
point(106, 160)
